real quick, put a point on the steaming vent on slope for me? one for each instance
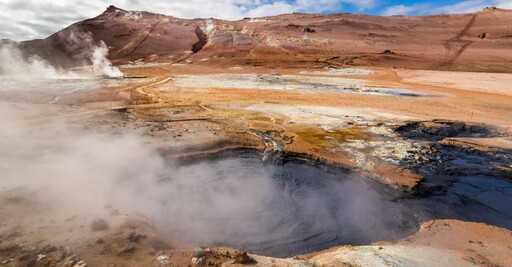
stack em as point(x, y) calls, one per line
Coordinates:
point(21, 73)
point(276, 210)
point(91, 56)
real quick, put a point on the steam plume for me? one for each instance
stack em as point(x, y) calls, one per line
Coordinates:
point(232, 202)
point(101, 65)
point(209, 26)
point(14, 65)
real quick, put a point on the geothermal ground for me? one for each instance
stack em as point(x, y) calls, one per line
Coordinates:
point(303, 163)
point(413, 167)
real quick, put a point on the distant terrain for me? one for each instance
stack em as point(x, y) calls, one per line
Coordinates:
point(478, 41)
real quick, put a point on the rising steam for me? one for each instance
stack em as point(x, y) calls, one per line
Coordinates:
point(14, 64)
point(209, 26)
point(266, 209)
point(101, 65)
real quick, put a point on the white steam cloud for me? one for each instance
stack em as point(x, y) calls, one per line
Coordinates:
point(209, 26)
point(101, 65)
point(14, 65)
point(265, 209)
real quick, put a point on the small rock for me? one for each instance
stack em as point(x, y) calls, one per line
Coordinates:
point(40, 257)
point(100, 241)
point(135, 237)
point(307, 29)
point(302, 263)
point(243, 258)
point(7, 261)
point(199, 252)
point(127, 249)
point(99, 225)
point(197, 261)
point(72, 260)
point(163, 259)
point(64, 252)
point(80, 264)
point(483, 35)
point(151, 251)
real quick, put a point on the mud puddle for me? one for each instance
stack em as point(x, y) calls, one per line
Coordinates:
point(279, 210)
point(438, 129)
point(461, 182)
point(298, 207)
point(467, 184)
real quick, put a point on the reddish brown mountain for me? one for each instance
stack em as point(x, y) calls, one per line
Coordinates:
point(480, 41)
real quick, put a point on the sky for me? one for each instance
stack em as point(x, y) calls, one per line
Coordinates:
point(31, 19)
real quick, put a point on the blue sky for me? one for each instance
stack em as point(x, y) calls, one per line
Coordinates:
point(29, 19)
point(416, 7)
point(380, 6)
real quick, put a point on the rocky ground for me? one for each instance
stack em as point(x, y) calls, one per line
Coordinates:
point(428, 141)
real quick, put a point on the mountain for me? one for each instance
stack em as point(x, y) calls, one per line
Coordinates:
point(480, 41)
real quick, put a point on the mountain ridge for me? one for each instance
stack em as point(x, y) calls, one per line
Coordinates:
point(473, 41)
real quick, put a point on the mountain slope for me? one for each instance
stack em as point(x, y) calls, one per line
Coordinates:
point(478, 41)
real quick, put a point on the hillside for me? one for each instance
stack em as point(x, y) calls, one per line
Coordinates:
point(478, 41)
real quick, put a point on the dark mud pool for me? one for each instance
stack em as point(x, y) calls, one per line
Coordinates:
point(297, 208)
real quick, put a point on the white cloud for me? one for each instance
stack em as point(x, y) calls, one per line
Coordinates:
point(506, 4)
point(270, 9)
point(398, 10)
point(466, 6)
point(28, 19)
point(325, 5)
point(463, 7)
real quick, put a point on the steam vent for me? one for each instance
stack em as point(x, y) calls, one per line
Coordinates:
point(259, 133)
